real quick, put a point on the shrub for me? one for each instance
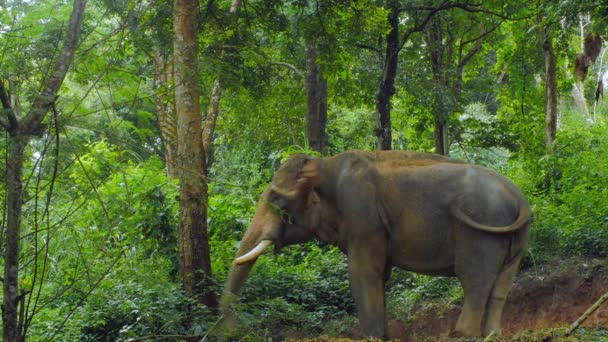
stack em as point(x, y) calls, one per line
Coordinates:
point(568, 189)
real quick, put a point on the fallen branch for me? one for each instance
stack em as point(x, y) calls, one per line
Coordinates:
point(586, 314)
point(492, 334)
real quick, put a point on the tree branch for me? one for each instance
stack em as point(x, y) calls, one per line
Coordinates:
point(468, 7)
point(464, 60)
point(586, 314)
point(42, 104)
point(290, 66)
point(417, 28)
point(482, 35)
point(445, 5)
point(367, 47)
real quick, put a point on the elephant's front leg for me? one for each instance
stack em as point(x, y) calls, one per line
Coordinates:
point(367, 269)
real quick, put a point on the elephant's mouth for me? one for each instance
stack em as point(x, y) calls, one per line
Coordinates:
point(254, 253)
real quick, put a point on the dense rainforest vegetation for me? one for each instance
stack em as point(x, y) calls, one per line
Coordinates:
point(138, 135)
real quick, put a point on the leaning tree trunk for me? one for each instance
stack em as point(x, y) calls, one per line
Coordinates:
point(210, 120)
point(194, 251)
point(316, 100)
point(386, 88)
point(21, 131)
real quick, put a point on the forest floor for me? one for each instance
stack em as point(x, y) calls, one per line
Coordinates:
point(543, 302)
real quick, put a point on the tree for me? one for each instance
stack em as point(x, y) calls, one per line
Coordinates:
point(452, 39)
point(316, 100)
point(165, 109)
point(395, 40)
point(21, 130)
point(194, 252)
point(550, 87)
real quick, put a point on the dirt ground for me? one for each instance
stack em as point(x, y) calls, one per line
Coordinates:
point(543, 297)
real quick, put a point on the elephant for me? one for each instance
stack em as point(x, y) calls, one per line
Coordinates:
point(420, 212)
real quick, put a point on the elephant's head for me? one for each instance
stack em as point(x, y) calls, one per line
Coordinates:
point(290, 211)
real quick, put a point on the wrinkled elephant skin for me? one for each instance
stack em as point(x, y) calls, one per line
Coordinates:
point(419, 212)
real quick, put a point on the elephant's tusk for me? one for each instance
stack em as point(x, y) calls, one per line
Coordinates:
point(254, 253)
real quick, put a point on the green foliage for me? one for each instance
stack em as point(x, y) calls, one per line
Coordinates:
point(108, 266)
point(406, 290)
point(350, 129)
point(303, 287)
point(120, 310)
point(567, 189)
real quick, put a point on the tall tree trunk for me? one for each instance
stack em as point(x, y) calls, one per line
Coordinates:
point(14, 185)
point(441, 58)
point(316, 100)
point(386, 88)
point(194, 252)
point(165, 111)
point(21, 132)
point(550, 89)
point(441, 136)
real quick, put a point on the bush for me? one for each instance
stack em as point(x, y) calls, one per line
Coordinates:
point(568, 189)
point(303, 287)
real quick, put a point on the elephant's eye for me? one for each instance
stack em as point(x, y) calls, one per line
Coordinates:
point(277, 200)
point(286, 218)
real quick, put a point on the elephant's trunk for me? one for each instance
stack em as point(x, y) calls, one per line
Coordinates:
point(240, 270)
point(259, 233)
point(262, 231)
point(234, 283)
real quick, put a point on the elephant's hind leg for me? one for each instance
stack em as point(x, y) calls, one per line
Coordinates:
point(478, 270)
point(497, 300)
point(476, 294)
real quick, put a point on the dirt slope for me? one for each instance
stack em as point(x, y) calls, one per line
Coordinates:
point(543, 297)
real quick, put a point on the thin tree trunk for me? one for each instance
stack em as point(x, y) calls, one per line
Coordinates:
point(550, 90)
point(212, 113)
point(165, 111)
point(441, 136)
point(13, 234)
point(387, 82)
point(316, 100)
point(194, 251)
point(441, 61)
point(21, 132)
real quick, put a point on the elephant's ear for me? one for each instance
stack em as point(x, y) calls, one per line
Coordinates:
point(302, 193)
point(308, 179)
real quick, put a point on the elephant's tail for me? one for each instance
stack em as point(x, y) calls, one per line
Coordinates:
point(524, 217)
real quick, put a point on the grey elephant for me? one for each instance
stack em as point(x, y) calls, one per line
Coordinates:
point(420, 212)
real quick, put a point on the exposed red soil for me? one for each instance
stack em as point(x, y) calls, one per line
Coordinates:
point(542, 297)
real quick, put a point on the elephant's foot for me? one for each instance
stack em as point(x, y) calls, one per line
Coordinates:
point(467, 327)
